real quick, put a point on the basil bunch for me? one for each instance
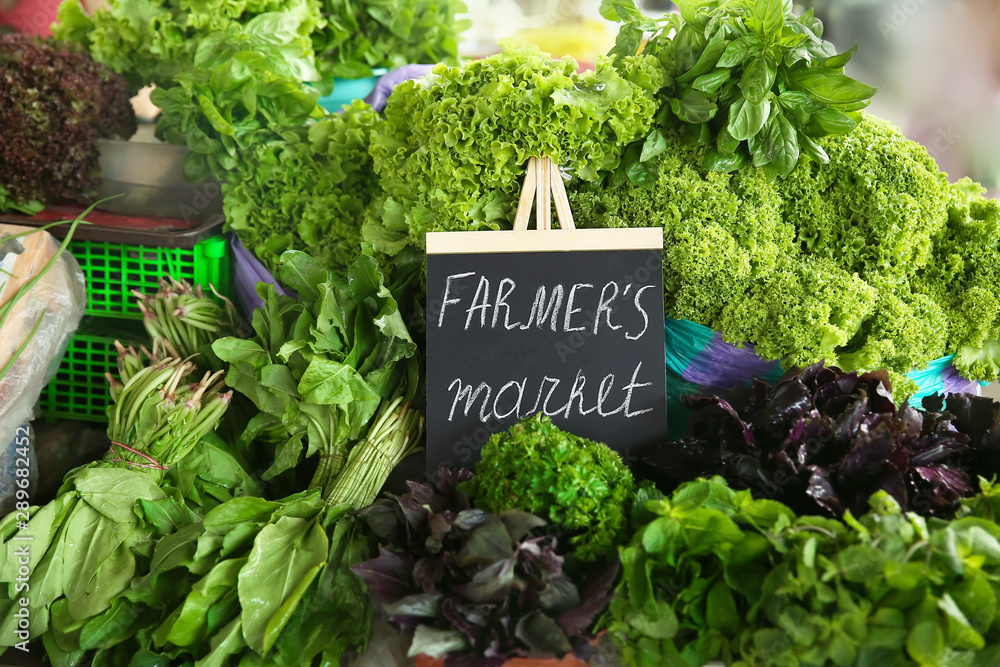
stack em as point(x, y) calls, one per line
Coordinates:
point(749, 78)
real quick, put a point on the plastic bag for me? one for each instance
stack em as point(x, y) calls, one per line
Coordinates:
point(55, 305)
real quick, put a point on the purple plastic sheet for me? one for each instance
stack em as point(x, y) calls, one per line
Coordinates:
point(248, 269)
point(383, 89)
point(724, 366)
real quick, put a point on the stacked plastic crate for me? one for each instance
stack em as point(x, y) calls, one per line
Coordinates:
point(115, 263)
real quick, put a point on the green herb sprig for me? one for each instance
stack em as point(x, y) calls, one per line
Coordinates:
point(749, 78)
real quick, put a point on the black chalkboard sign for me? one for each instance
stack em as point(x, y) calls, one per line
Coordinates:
point(565, 322)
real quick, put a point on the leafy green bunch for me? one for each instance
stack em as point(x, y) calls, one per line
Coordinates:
point(329, 159)
point(747, 78)
point(716, 575)
point(253, 582)
point(363, 34)
point(872, 260)
point(245, 85)
point(152, 41)
point(580, 485)
point(320, 364)
point(184, 322)
point(88, 543)
point(452, 151)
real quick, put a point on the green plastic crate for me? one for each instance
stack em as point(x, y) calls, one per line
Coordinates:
point(79, 390)
point(113, 270)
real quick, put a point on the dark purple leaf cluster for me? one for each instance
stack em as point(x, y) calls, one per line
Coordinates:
point(475, 587)
point(823, 441)
point(55, 102)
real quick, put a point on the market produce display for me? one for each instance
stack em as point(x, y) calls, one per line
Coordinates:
point(872, 260)
point(236, 520)
point(824, 441)
point(577, 484)
point(55, 102)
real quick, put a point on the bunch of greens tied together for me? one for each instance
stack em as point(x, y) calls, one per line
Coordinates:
point(318, 369)
point(713, 574)
point(183, 321)
point(255, 582)
point(747, 78)
point(245, 85)
point(88, 543)
point(363, 34)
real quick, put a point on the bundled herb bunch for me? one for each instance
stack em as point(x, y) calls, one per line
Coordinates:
point(318, 369)
point(579, 485)
point(824, 441)
point(55, 102)
point(90, 541)
point(185, 322)
point(749, 79)
point(473, 587)
point(715, 575)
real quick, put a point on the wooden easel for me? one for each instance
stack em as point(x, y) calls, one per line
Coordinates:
point(543, 184)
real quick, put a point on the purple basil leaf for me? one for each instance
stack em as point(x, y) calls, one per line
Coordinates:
point(560, 595)
point(421, 605)
point(822, 491)
point(519, 524)
point(416, 515)
point(468, 618)
point(488, 543)
point(440, 525)
point(490, 584)
point(595, 595)
point(542, 634)
point(428, 571)
point(389, 577)
point(470, 518)
point(383, 519)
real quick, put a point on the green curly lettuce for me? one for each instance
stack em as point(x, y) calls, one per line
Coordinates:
point(451, 155)
point(363, 34)
point(152, 41)
point(578, 484)
point(265, 204)
point(873, 260)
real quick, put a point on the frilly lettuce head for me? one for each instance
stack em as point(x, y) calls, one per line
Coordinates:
point(452, 153)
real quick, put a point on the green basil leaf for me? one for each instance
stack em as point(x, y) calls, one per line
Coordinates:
point(835, 122)
point(746, 119)
point(839, 61)
point(690, 8)
point(688, 45)
point(792, 40)
point(792, 99)
point(694, 107)
point(739, 50)
point(855, 106)
point(628, 41)
point(772, 14)
point(793, 56)
point(830, 86)
point(707, 60)
point(809, 146)
point(726, 143)
point(711, 83)
point(782, 145)
point(655, 144)
point(757, 145)
point(926, 644)
point(758, 77)
point(716, 161)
